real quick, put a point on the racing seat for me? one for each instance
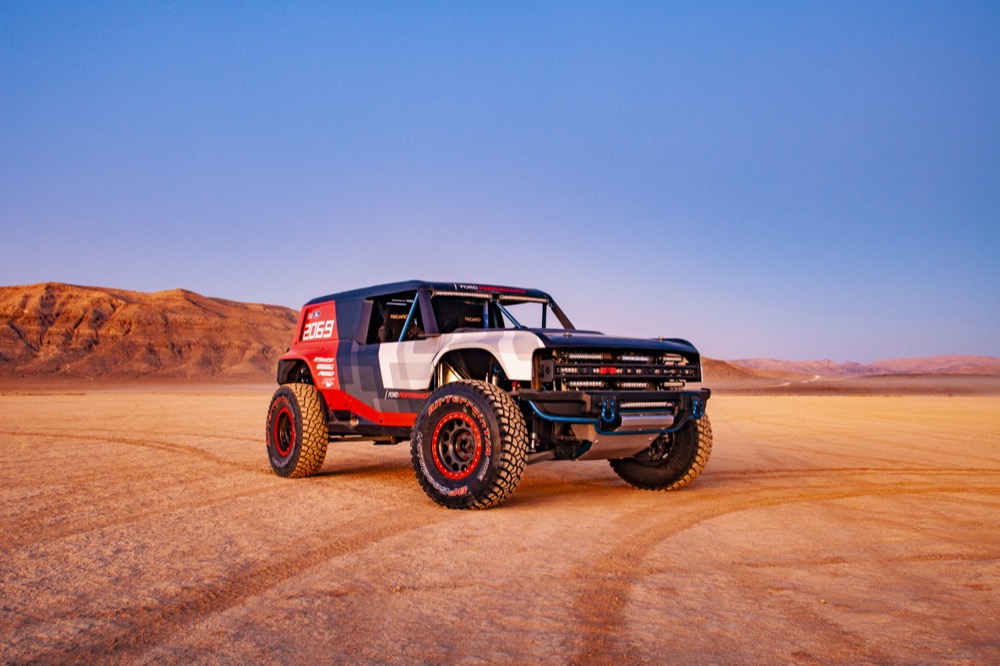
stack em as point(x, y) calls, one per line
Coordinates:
point(395, 319)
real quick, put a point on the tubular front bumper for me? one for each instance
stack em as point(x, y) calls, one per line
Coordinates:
point(617, 425)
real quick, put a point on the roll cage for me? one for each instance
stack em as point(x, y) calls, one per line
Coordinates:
point(428, 312)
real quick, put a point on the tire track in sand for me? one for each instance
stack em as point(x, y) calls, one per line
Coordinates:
point(600, 608)
point(160, 445)
point(28, 536)
point(39, 532)
point(125, 634)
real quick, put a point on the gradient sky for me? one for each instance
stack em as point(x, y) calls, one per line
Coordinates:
point(798, 180)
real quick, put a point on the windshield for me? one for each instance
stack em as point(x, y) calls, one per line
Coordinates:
point(528, 312)
point(456, 312)
point(528, 315)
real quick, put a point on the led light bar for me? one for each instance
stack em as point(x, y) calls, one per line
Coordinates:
point(646, 405)
point(584, 356)
point(633, 385)
point(635, 358)
point(585, 384)
point(510, 298)
point(464, 294)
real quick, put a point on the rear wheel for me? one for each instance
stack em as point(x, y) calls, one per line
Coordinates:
point(469, 444)
point(672, 461)
point(296, 431)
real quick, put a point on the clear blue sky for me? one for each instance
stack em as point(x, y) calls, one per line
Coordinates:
point(799, 180)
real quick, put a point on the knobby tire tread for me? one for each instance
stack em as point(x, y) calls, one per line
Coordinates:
point(314, 434)
point(513, 436)
point(640, 477)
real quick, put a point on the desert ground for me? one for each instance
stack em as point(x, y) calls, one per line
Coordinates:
point(143, 525)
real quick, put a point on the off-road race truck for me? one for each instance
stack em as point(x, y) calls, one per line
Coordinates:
point(482, 380)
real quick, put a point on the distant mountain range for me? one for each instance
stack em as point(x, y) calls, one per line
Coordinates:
point(58, 330)
point(932, 365)
point(54, 330)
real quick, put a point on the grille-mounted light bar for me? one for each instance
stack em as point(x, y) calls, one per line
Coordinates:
point(635, 358)
point(583, 383)
point(633, 385)
point(585, 356)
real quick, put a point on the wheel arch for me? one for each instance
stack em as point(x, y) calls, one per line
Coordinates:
point(513, 351)
point(473, 362)
point(294, 371)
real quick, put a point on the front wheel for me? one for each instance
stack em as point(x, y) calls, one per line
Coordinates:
point(469, 444)
point(672, 461)
point(296, 431)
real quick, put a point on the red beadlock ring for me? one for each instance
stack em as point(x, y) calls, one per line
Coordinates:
point(284, 432)
point(457, 446)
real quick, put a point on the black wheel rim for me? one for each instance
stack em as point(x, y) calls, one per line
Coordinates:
point(284, 432)
point(456, 446)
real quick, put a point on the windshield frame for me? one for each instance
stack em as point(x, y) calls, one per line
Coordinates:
point(499, 299)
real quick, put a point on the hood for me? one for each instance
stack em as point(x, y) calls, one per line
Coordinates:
point(594, 340)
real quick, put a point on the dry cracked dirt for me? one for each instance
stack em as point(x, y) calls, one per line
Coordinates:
point(144, 525)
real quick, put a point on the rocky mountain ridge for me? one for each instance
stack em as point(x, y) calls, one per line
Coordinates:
point(59, 330)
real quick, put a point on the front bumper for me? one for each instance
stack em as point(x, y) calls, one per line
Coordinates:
point(616, 424)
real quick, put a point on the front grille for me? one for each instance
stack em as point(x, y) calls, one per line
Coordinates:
point(616, 370)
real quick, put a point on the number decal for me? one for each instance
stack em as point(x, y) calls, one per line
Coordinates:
point(319, 330)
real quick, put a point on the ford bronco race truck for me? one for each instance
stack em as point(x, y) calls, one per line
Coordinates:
point(481, 381)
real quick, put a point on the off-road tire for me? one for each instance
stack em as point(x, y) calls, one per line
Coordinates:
point(669, 465)
point(469, 445)
point(296, 431)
